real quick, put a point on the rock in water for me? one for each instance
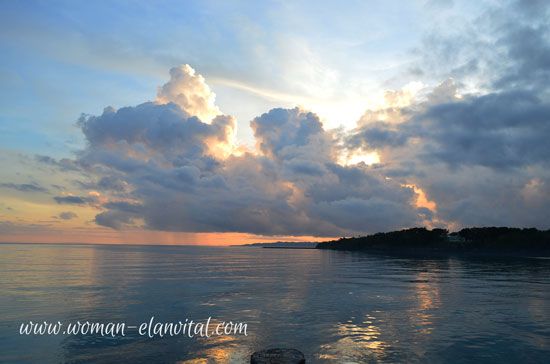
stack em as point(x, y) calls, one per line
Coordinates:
point(278, 356)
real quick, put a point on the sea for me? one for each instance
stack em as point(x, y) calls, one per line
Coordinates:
point(333, 306)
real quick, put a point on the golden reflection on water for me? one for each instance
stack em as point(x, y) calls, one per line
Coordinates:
point(222, 349)
point(427, 294)
point(357, 342)
point(194, 361)
point(366, 341)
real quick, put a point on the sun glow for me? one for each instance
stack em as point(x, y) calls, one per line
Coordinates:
point(422, 199)
point(369, 158)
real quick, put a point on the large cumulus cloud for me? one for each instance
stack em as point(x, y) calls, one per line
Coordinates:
point(167, 165)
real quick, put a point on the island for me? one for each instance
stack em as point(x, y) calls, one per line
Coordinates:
point(471, 241)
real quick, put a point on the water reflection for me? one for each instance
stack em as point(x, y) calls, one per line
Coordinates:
point(427, 293)
point(333, 306)
point(220, 349)
point(358, 343)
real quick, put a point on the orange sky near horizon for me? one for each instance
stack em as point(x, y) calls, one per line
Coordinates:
point(145, 237)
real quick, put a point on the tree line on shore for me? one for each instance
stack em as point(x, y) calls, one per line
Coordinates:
point(500, 240)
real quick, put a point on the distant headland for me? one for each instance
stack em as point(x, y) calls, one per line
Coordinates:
point(282, 245)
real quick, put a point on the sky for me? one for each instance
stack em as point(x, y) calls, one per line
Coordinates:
point(213, 122)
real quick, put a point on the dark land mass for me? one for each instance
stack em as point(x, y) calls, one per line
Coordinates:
point(282, 245)
point(313, 246)
point(485, 241)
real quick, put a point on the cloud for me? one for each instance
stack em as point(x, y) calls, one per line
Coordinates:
point(70, 200)
point(481, 155)
point(67, 215)
point(190, 92)
point(482, 158)
point(377, 135)
point(487, 129)
point(116, 216)
point(64, 164)
point(503, 47)
point(281, 131)
point(524, 31)
point(478, 154)
point(24, 187)
point(161, 167)
point(498, 130)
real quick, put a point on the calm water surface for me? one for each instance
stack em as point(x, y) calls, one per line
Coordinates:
point(333, 306)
